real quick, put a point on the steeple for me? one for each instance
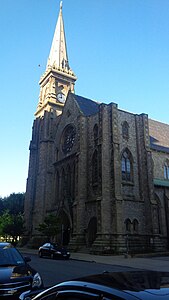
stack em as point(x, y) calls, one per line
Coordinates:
point(58, 53)
point(58, 78)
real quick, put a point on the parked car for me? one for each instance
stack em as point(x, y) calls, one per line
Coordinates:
point(53, 251)
point(16, 275)
point(132, 285)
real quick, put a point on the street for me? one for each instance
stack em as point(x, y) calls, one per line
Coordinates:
point(55, 271)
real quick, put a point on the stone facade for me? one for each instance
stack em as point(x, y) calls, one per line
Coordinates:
point(100, 170)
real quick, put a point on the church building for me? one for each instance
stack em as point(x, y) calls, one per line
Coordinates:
point(101, 171)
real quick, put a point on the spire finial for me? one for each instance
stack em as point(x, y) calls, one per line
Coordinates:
point(60, 4)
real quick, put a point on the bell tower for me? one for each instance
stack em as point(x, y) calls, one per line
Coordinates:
point(58, 78)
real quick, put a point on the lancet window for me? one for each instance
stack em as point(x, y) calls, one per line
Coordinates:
point(95, 167)
point(126, 166)
point(125, 130)
point(166, 170)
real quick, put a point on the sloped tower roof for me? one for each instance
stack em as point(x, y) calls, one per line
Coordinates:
point(58, 54)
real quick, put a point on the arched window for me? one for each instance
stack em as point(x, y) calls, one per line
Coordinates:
point(91, 231)
point(63, 185)
point(73, 181)
point(157, 215)
point(57, 189)
point(68, 182)
point(125, 130)
point(95, 168)
point(68, 138)
point(126, 166)
point(128, 225)
point(56, 154)
point(135, 225)
point(112, 164)
point(95, 131)
point(166, 170)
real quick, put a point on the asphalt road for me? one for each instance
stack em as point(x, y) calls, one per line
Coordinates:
point(55, 271)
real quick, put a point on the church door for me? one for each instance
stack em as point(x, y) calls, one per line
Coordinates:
point(91, 231)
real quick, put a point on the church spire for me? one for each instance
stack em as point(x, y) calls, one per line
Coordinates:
point(58, 53)
point(58, 78)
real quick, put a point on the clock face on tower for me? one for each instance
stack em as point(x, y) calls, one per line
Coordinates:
point(61, 97)
point(68, 138)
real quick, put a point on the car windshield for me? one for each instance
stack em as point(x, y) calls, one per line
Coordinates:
point(54, 246)
point(10, 256)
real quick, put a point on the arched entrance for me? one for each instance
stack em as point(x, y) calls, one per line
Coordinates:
point(64, 232)
point(91, 231)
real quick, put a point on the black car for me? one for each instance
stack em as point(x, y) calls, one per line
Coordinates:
point(16, 275)
point(53, 251)
point(132, 285)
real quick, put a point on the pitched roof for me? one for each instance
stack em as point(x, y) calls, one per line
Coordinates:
point(87, 107)
point(159, 136)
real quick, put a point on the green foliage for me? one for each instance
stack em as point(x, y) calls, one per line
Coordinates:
point(11, 216)
point(50, 227)
point(11, 225)
point(14, 203)
point(1, 206)
point(5, 219)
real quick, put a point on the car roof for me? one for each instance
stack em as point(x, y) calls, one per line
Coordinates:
point(3, 244)
point(141, 284)
point(132, 280)
point(48, 243)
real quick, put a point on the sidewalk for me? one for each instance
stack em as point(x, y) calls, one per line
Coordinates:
point(150, 263)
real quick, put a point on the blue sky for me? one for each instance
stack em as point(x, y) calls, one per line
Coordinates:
point(119, 50)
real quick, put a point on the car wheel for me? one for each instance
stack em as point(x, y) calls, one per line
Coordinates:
point(40, 254)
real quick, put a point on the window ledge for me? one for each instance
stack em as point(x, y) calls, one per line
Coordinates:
point(161, 182)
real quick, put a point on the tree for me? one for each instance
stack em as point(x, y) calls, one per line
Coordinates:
point(5, 220)
point(14, 203)
point(11, 225)
point(11, 216)
point(1, 206)
point(50, 227)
